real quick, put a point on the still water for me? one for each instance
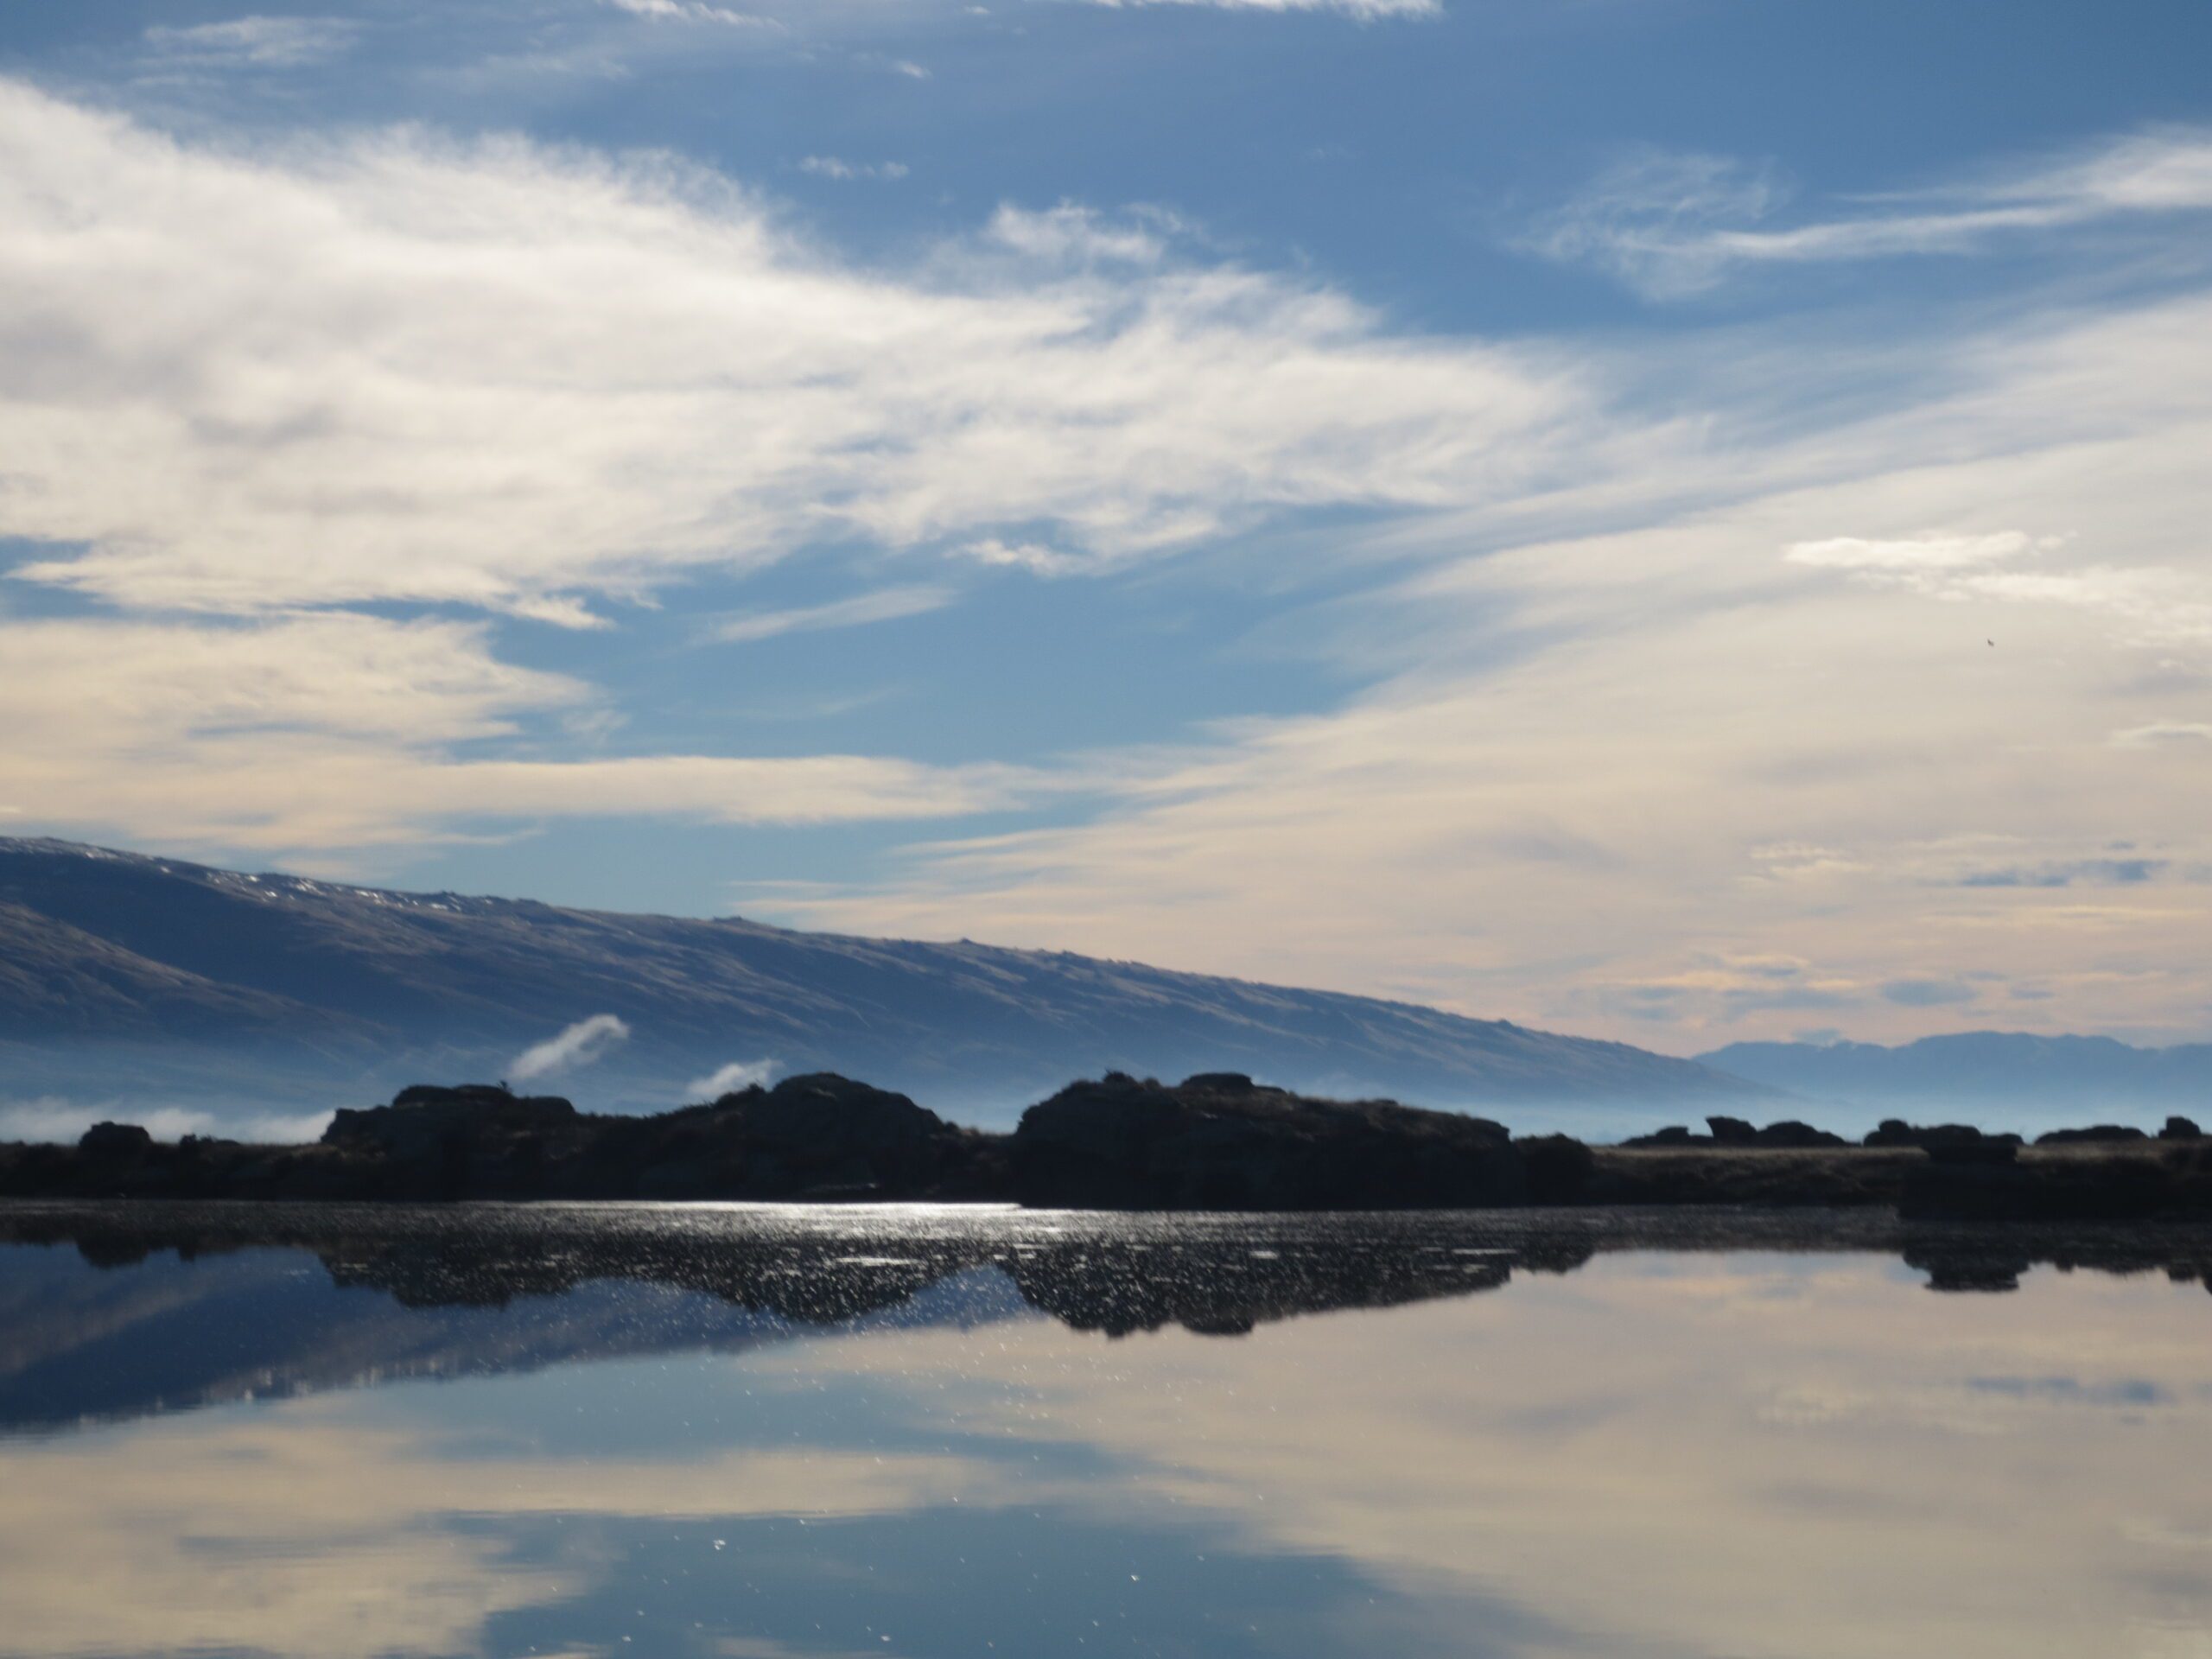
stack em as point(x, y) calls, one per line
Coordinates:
point(769, 1434)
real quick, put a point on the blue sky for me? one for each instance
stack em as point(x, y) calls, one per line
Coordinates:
point(1677, 521)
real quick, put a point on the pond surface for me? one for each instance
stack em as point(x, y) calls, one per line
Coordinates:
point(770, 1433)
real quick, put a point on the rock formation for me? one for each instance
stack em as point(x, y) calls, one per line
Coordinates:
point(1218, 1140)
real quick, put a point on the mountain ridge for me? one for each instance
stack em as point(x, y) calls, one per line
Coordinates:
point(213, 982)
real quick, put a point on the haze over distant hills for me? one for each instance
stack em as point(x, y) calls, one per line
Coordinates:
point(2004, 1077)
point(124, 977)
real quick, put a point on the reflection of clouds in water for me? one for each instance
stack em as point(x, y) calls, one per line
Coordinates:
point(1591, 1465)
point(297, 1530)
point(1678, 1464)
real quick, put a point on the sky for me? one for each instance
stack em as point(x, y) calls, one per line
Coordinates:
point(1679, 520)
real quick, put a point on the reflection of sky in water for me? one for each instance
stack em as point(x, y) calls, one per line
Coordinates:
point(1655, 1454)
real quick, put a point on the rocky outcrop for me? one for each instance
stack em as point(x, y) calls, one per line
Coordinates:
point(2093, 1180)
point(809, 1137)
point(2095, 1134)
point(1558, 1169)
point(1736, 1132)
point(1947, 1143)
point(1220, 1142)
point(113, 1144)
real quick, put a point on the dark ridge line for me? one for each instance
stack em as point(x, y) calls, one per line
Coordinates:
point(1216, 1141)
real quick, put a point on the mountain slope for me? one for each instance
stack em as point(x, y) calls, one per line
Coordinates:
point(207, 982)
point(1979, 1071)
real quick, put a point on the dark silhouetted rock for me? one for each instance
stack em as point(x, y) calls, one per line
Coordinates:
point(1735, 1134)
point(2181, 1129)
point(1558, 1168)
point(1218, 1143)
point(425, 1116)
point(1791, 1133)
point(819, 1136)
point(1218, 1140)
point(1947, 1143)
point(2066, 1181)
point(1218, 1083)
point(115, 1143)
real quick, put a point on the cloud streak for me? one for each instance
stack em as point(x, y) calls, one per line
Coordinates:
point(1363, 10)
point(583, 1044)
point(255, 42)
point(885, 605)
point(1675, 224)
point(835, 167)
point(693, 11)
point(730, 1079)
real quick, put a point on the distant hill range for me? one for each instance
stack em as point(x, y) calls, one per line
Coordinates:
point(1986, 1075)
point(160, 981)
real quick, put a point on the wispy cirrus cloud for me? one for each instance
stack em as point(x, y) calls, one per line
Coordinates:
point(835, 167)
point(253, 41)
point(2155, 603)
point(694, 11)
point(884, 604)
point(1652, 692)
point(2161, 732)
point(1909, 556)
point(341, 731)
point(1364, 10)
point(1674, 224)
point(1752, 733)
point(389, 368)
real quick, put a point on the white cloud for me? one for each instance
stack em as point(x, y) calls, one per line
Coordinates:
point(2160, 732)
point(1650, 219)
point(346, 731)
point(1597, 773)
point(693, 11)
point(1023, 556)
point(1914, 555)
point(885, 605)
point(256, 42)
point(2153, 604)
point(730, 1079)
point(583, 1043)
point(1674, 224)
point(91, 685)
point(383, 368)
point(1365, 10)
point(835, 167)
point(1649, 702)
point(1073, 234)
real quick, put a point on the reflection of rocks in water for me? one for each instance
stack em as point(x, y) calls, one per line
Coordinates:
point(1226, 1288)
point(1215, 1273)
point(473, 1289)
point(1967, 1258)
point(1957, 1269)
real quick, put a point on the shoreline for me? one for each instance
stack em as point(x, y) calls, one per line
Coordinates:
point(1215, 1142)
